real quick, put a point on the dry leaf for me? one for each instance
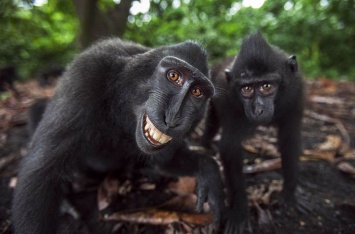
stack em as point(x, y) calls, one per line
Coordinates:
point(266, 165)
point(258, 145)
point(109, 188)
point(332, 143)
point(346, 168)
point(184, 185)
point(159, 217)
point(261, 193)
point(327, 150)
point(151, 216)
point(181, 202)
point(198, 219)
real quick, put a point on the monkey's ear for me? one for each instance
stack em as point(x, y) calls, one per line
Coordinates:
point(292, 63)
point(228, 74)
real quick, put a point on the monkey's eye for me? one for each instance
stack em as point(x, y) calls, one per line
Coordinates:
point(174, 76)
point(196, 91)
point(266, 86)
point(247, 91)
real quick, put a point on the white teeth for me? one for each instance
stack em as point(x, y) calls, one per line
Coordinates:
point(154, 135)
point(157, 135)
point(164, 138)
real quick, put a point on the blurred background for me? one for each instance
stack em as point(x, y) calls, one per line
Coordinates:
point(37, 34)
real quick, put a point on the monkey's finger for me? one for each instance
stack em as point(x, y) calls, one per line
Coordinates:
point(201, 197)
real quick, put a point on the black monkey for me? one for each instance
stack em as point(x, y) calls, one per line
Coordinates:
point(8, 75)
point(117, 102)
point(262, 85)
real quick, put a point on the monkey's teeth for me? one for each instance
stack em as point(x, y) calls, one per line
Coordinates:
point(164, 139)
point(157, 135)
point(154, 136)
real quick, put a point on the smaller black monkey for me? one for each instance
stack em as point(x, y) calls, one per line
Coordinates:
point(261, 86)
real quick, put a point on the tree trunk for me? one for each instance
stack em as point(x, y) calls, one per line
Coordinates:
point(87, 11)
point(95, 24)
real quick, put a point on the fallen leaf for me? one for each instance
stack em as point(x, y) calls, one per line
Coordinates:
point(332, 142)
point(182, 202)
point(159, 217)
point(346, 168)
point(266, 165)
point(261, 193)
point(184, 185)
point(109, 188)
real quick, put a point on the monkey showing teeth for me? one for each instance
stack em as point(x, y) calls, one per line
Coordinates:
point(118, 102)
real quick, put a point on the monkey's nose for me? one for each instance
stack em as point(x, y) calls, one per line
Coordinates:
point(171, 123)
point(258, 111)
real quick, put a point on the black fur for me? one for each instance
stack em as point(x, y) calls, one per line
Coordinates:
point(95, 122)
point(238, 113)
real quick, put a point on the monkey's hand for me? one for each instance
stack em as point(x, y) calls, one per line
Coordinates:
point(209, 188)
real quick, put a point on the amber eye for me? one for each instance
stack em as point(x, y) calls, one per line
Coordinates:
point(173, 75)
point(266, 86)
point(196, 91)
point(247, 89)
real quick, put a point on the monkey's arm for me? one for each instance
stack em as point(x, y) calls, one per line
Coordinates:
point(231, 151)
point(209, 183)
point(37, 198)
point(211, 127)
point(290, 147)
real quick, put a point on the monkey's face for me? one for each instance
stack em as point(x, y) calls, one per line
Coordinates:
point(176, 96)
point(258, 100)
point(256, 92)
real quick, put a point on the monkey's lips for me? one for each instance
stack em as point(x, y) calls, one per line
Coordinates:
point(152, 134)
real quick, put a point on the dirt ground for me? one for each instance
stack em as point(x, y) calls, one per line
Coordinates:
point(145, 201)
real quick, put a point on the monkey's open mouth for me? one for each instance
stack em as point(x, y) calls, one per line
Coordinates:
point(152, 134)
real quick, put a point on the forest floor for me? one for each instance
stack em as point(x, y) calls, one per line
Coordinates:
point(148, 202)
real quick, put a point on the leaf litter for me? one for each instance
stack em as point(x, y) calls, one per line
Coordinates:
point(139, 204)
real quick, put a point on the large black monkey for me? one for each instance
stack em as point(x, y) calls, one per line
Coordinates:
point(262, 85)
point(118, 101)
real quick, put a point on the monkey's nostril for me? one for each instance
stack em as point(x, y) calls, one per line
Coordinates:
point(258, 111)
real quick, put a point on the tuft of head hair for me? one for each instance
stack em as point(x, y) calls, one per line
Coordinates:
point(193, 53)
point(257, 56)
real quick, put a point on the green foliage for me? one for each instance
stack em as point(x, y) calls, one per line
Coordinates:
point(320, 32)
point(33, 38)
